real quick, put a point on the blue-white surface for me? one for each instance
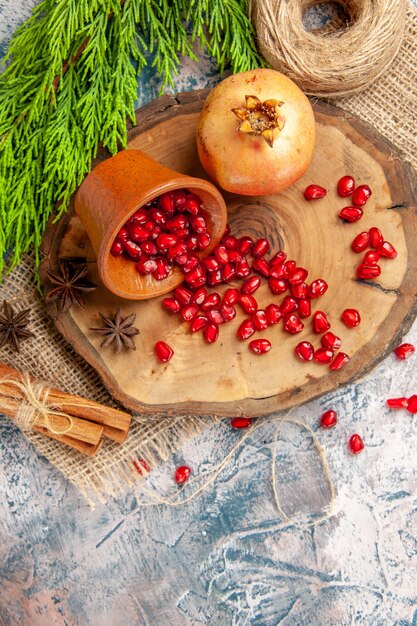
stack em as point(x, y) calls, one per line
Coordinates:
point(226, 558)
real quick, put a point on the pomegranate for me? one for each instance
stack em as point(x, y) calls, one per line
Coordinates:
point(256, 133)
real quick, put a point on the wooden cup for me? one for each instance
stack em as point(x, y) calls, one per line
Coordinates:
point(111, 194)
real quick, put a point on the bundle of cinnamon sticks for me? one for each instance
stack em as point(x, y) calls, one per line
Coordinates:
point(72, 420)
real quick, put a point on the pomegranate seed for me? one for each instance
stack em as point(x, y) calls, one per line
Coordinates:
point(214, 315)
point(404, 351)
point(260, 346)
point(226, 230)
point(203, 240)
point(288, 305)
point(351, 318)
point(240, 422)
point(179, 221)
point(117, 247)
point(251, 285)
point(234, 256)
point(314, 192)
point(140, 466)
point(211, 332)
point(318, 288)
point(198, 224)
point(140, 217)
point(260, 248)
point(346, 186)
point(163, 351)
point(146, 266)
point(123, 233)
point(246, 330)
point(412, 404)
point(367, 272)
point(211, 302)
point(278, 285)
point(192, 243)
point(221, 254)
point(245, 245)
point(292, 324)
point(276, 270)
point(211, 263)
point(331, 341)
point(300, 290)
point(375, 237)
point(162, 270)
point(351, 214)
point(182, 474)
point(215, 278)
point(387, 250)
point(199, 296)
point(138, 233)
point(183, 294)
point(183, 259)
point(361, 242)
point(320, 322)
point(191, 205)
point(361, 195)
point(298, 276)
point(339, 361)
point(371, 257)
point(323, 355)
point(229, 272)
point(157, 216)
point(261, 266)
point(132, 249)
point(165, 241)
point(228, 312)
point(171, 304)
point(166, 203)
point(279, 257)
point(198, 323)
point(289, 268)
point(179, 198)
point(304, 308)
point(149, 248)
point(259, 320)
point(328, 419)
point(230, 242)
point(248, 303)
point(397, 403)
point(197, 277)
point(356, 444)
point(189, 312)
point(304, 351)
point(273, 314)
point(231, 296)
point(242, 269)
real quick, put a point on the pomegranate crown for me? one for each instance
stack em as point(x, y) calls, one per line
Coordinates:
point(260, 118)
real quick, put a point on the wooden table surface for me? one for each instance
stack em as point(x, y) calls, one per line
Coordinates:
point(228, 557)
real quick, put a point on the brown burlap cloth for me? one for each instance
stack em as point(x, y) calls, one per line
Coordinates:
point(390, 105)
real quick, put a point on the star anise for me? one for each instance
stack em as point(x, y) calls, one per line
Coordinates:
point(118, 330)
point(13, 326)
point(70, 282)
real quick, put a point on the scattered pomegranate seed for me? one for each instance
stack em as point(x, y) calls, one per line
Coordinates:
point(214, 315)
point(317, 288)
point(198, 323)
point(298, 275)
point(231, 296)
point(328, 419)
point(183, 294)
point(228, 312)
point(412, 404)
point(288, 305)
point(375, 237)
point(351, 214)
point(117, 247)
point(361, 195)
point(320, 322)
point(304, 308)
point(304, 351)
point(246, 330)
point(260, 346)
point(397, 403)
point(242, 269)
point(140, 466)
point(133, 250)
point(278, 285)
point(197, 277)
point(356, 444)
point(260, 248)
point(323, 356)
point(251, 285)
point(387, 250)
point(404, 351)
point(314, 192)
point(211, 302)
point(259, 320)
point(211, 332)
point(163, 351)
point(346, 186)
point(248, 303)
point(300, 290)
point(351, 318)
point(146, 265)
point(361, 242)
point(279, 257)
point(171, 304)
point(371, 257)
point(245, 245)
point(189, 312)
point(182, 474)
point(199, 296)
point(261, 266)
point(292, 324)
point(273, 314)
point(339, 361)
point(368, 272)
point(240, 422)
point(331, 341)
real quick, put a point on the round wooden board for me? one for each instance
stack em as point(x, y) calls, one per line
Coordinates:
point(225, 378)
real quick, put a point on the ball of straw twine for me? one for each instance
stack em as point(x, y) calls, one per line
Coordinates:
point(339, 59)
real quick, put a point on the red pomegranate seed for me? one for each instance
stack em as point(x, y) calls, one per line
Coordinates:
point(251, 285)
point(298, 275)
point(157, 216)
point(189, 312)
point(318, 288)
point(245, 245)
point(165, 241)
point(279, 257)
point(214, 315)
point(211, 302)
point(346, 186)
point(211, 332)
point(191, 205)
point(197, 277)
point(235, 256)
point(292, 324)
point(361, 242)
point(331, 341)
point(371, 257)
point(323, 355)
point(215, 278)
point(261, 266)
point(171, 304)
point(412, 404)
point(211, 263)
point(183, 294)
point(320, 322)
point(328, 419)
point(166, 203)
point(192, 243)
point(356, 444)
point(203, 240)
point(304, 308)
point(179, 221)
point(273, 314)
point(141, 466)
point(141, 217)
point(351, 214)
point(199, 296)
point(182, 474)
point(289, 268)
point(404, 351)
point(132, 249)
point(123, 233)
point(351, 318)
point(276, 270)
point(259, 320)
point(117, 247)
point(246, 330)
point(300, 290)
point(146, 265)
point(288, 305)
point(163, 351)
point(304, 351)
point(198, 224)
point(149, 248)
point(230, 242)
point(229, 272)
point(228, 312)
point(138, 233)
point(397, 403)
point(367, 272)
point(387, 250)
point(240, 422)
point(221, 254)
point(314, 192)
point(278, 285)
point(260, 248)
point(242, 269)
point(339, 361)
point(191, 262)
point(260, 346)
point(198, 323)
point(181, 259)
point(248, 303)
point(162, 270)
point(231, 296)
point(361, 195)
point(375, 237)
